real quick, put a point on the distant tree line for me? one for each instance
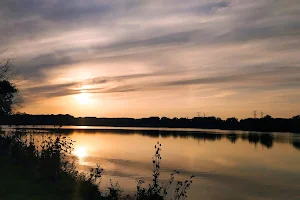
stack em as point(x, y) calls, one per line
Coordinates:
point(266, 124)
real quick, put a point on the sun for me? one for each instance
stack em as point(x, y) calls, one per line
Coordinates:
point(83, 98)
point(80, 153)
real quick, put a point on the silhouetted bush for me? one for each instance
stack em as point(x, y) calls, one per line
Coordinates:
point(159, 191)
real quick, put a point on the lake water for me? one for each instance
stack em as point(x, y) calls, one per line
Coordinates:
point(227, 164)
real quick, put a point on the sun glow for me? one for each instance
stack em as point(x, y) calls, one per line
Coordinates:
point(81, 152)
point(83, 98)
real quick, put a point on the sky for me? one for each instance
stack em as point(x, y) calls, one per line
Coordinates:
point(136, 58)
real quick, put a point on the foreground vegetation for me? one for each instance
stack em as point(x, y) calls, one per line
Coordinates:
point(44, 171)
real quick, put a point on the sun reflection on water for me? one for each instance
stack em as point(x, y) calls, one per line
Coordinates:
point(80, 152)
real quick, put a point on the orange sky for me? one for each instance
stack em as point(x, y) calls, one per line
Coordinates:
point(155, 58)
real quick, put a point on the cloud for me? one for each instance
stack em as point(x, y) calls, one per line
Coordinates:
point(37, 93)
point(253, 80)
point(259, 76)
point(239, 46)
point(72, 88)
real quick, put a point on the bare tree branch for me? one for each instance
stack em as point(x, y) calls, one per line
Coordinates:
point(6, 69)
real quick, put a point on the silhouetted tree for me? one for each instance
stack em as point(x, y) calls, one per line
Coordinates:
point(232, 120)
point(232, 123)
point(297, 117)
point(268, 117)
point(8, 91)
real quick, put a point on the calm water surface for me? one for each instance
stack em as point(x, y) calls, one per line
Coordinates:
point(227, 164)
